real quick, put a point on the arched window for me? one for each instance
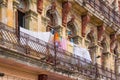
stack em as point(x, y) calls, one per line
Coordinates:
point(22, 9)
point(71, 29)
point(20, 15)
point(52, 15)
point(91, 46)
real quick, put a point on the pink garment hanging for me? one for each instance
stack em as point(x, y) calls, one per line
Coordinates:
point(63, 44)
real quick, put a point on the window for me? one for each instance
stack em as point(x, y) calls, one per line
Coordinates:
point(21, 19)
point(71, 29)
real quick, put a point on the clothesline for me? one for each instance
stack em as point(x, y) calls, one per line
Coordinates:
point(64, 43)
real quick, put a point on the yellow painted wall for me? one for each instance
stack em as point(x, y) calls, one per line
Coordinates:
point(10, 13)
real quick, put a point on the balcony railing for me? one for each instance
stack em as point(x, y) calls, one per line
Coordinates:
point(104, 9)
point(49, 54)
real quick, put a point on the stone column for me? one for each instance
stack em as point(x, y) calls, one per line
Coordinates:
point(10, 13)
point(40, 6)
point(66, 7)
point(15, 13)
point(42, 77)
point(3, 11)
point(85, 21)
point(31, 20)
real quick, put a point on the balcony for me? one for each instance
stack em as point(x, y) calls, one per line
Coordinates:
point(101, 10)
point(42, 52)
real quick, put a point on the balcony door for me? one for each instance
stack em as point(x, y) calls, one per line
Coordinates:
point(22, 8)
point(20, 21)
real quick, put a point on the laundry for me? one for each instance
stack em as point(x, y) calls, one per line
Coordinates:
point(82, 52)
point(44, 36)
point(63, 44)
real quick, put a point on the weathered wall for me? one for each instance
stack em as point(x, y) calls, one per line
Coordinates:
point(38, 22)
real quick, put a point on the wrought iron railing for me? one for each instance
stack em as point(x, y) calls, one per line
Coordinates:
point(104, 9)
point(60, 59)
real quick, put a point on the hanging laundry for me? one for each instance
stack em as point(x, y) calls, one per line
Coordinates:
point(44, 36)
point(83, 54)
point(63, 44)
point(57, 39)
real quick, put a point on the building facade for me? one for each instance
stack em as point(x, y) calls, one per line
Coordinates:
point(90, 24)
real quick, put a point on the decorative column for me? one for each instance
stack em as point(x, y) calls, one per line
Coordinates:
point(3, 11)
point(85, 21)
point(101, 30)
point(40, 6)
point(42, 77)
point(112, 42)
point(66, 7)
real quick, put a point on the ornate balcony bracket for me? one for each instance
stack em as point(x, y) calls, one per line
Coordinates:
point(16, 3)
point(66, 7)
point(85, 21)
point(31, 14)
point(40, 6)
point(106, 53)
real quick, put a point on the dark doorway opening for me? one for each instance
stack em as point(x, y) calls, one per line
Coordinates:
point(21, 19)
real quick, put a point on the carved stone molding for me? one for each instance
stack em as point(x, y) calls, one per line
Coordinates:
point(77, 39)
point(85, 21)
point(40, 6)
point(66, 7)
point(31, 19)
point(16, 4)
point(32, 14)
point(3, 2)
